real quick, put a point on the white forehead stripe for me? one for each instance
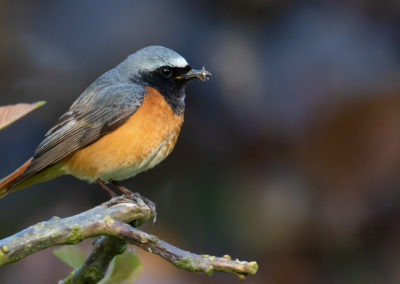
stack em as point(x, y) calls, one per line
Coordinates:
point(179, 62)
point(154, 64)
point(152, 57)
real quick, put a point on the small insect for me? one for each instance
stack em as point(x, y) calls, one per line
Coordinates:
point(204, 75)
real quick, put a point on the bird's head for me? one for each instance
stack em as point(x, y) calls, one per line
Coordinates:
point(156, 64)
point(163, 69)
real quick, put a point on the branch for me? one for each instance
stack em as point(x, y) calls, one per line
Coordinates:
point(105, 249)
point(71, 230)
point(184, 259)
point(111, 219)
point(96, 264)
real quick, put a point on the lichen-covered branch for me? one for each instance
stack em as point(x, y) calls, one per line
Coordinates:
point(71, 230)
point(96, 264)
point(112, 219)
point(184, 259)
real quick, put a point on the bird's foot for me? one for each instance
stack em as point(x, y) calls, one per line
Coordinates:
point(148, 202)
point(137, 196)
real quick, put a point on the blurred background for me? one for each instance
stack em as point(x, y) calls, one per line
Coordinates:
point(289, 155)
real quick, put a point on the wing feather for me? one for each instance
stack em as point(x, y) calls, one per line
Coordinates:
point(95, 113)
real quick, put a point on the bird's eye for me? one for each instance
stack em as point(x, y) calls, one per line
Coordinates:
point(166, 71)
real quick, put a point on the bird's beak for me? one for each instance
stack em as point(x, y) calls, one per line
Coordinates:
point(202, 75)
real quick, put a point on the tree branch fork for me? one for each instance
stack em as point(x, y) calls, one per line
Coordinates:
point(113, 220)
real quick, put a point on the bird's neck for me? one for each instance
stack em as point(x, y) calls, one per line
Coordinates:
point(173, 91)
point(175, 99)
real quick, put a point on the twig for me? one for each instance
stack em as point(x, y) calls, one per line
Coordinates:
point(111, 219)
point(184, 259)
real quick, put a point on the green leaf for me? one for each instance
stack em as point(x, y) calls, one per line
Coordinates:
point(71, 255)
point(125, 268)
point(11, 113)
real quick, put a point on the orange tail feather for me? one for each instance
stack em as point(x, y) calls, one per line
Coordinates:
point(6, 182)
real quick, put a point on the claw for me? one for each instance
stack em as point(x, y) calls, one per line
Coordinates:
point(137, 196)
point(149, 203)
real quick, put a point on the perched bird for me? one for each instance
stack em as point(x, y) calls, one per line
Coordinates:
point(125, 122)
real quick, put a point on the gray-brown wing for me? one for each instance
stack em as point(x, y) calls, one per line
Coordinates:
point(95, 113)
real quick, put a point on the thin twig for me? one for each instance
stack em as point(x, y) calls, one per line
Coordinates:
point(181, 258)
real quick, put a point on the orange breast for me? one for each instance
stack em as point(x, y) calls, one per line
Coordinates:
point(145, 139)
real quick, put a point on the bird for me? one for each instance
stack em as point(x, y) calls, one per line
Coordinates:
point(126, 122)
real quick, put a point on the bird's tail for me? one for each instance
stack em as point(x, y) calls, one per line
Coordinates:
point(6, 182)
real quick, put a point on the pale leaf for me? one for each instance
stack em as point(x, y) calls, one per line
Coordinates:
point(71, 255)
point(125, 268)
point(10, 113)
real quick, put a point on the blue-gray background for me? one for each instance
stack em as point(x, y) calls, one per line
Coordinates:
point(289, 155)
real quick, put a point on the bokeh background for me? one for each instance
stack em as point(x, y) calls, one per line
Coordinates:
point(289, 155)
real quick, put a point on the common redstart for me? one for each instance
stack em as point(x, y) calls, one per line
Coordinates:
point(126, 122)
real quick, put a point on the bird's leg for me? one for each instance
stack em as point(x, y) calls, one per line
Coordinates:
point(122, 188)
point(106, 188)
point(148, 202)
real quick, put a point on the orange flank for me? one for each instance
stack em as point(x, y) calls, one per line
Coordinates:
point(142, 142)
